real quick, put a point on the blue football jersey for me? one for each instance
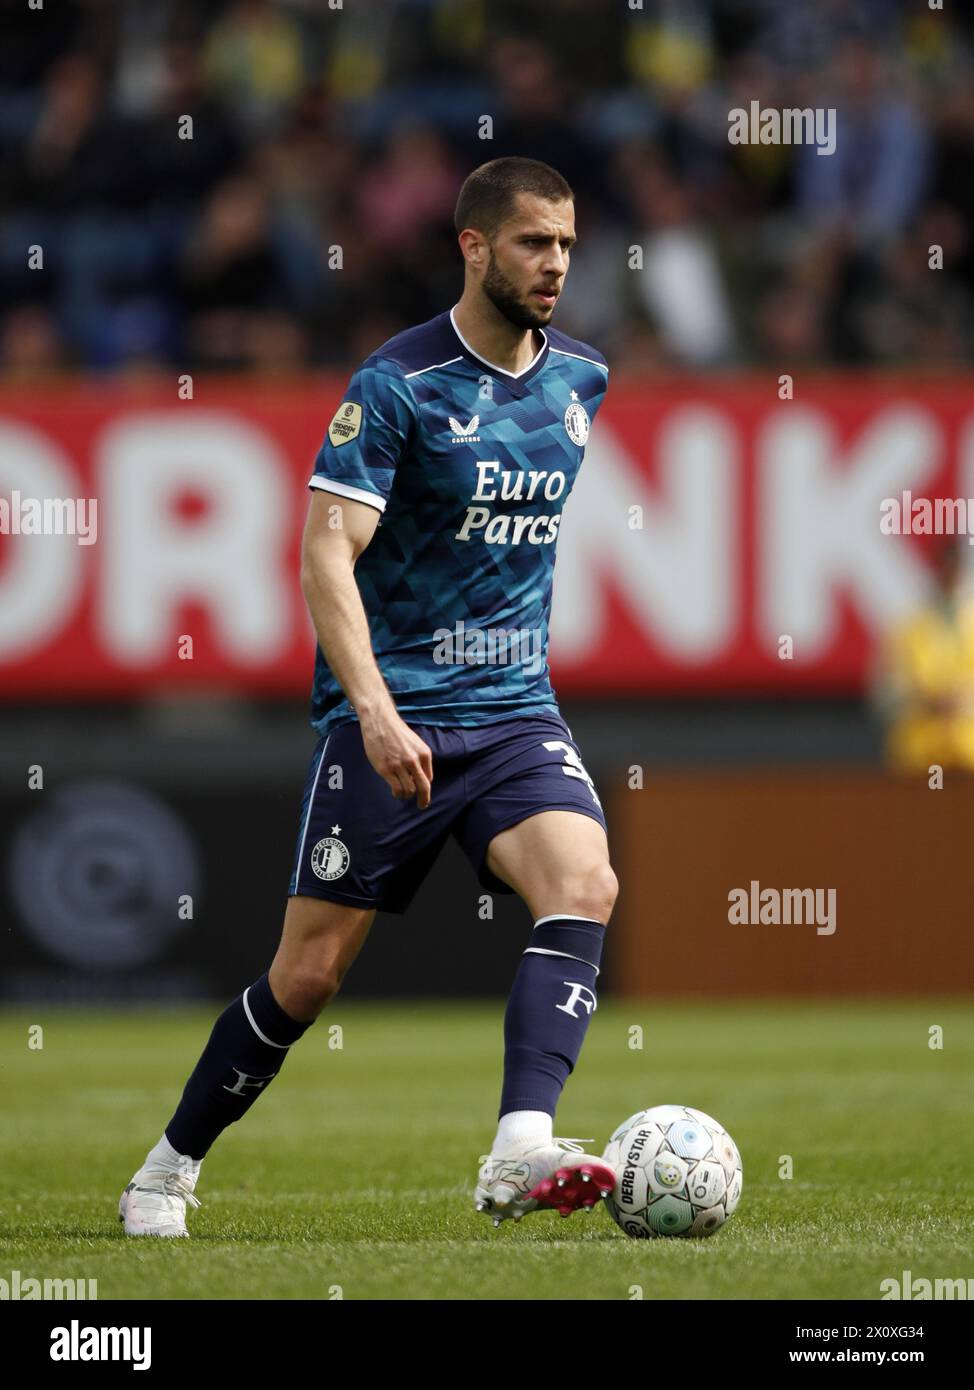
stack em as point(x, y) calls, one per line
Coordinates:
point(470, 467)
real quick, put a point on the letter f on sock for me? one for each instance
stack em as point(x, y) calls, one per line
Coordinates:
point(577, 996)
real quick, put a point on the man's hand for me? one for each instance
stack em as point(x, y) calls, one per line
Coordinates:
point(399, 756)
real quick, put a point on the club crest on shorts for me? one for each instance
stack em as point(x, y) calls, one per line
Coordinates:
point(330, 858)
point(577, 422)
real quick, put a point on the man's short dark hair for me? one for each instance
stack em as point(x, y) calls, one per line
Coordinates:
point(488, 195)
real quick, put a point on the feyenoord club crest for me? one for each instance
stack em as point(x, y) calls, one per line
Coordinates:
point(330, 858)
point(576, 422)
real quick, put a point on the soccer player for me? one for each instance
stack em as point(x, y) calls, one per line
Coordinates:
point(427, 565)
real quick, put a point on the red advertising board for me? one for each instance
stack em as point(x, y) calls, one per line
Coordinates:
point(711, 521)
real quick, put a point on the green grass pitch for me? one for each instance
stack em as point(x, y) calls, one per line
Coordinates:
point(352, 1177)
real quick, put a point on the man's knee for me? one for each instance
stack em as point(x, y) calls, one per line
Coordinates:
point(590, 893)
point(307, 989)
point(321, 940)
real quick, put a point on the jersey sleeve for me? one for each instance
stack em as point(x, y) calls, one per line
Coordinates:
point(368, 435)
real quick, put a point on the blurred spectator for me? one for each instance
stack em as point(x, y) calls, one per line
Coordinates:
point(537, 111)
point(681, 285)
point(908, 312)
point(952, 184)
point(872, 183)
point(30, 344)
point(410, 192)
point(231, 276)
point(791, 331)
point(182, 170)
point(80, 154)
point(253, 61)
point(925, 685)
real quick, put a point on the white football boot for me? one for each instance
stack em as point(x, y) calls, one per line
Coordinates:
point(154, 1203)
point(538, 1176)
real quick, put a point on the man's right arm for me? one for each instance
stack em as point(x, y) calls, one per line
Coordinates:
point(337, 531)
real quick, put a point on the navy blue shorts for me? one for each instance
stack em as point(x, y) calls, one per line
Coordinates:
point(361, 845)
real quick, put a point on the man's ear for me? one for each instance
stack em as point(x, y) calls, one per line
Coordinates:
point(473, 245)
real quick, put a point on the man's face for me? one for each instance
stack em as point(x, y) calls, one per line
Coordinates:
point(529, 260)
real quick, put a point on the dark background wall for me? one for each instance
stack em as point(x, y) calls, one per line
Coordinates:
point(140, 809)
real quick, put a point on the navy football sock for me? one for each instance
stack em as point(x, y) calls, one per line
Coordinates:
point(246, 1050)
point(551, 1001)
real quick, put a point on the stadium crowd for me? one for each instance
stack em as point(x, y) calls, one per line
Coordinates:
point(309, 217)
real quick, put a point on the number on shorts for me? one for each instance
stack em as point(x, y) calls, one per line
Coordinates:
point(572, 766)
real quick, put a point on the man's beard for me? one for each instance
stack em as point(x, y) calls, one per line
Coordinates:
point(502, 294)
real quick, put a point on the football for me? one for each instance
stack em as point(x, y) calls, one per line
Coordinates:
point(678, 1173)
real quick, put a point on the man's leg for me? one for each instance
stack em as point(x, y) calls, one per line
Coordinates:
point(245, 1051)
point(558, 863)
point(250, 1039)
point(319, 942)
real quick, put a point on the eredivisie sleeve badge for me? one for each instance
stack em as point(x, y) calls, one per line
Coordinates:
point(346, 423)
